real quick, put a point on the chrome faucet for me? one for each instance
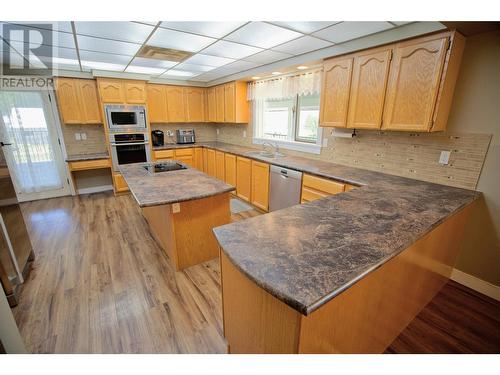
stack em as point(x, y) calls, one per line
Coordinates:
point(275, 146)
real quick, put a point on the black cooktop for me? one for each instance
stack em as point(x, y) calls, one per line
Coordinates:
point(164, 167)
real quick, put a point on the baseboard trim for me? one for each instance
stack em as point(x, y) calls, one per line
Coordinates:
point(95, 189)
point(476, 284)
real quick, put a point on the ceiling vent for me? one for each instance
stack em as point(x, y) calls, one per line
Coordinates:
point(168, 54)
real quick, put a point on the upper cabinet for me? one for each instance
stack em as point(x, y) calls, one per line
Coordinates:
point(157, 103)
point(122, 91)
point(175, 104)
point(135, 92)
point(78, 101)
point(229, 100)
point(211, 105)
point(406, 86)
point(195, 104)
point(219, 103)
point(335, 92)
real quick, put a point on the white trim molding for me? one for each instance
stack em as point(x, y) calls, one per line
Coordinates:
point(476, 284)
point(95, 189)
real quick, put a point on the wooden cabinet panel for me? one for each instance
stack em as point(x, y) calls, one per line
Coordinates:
point(369, 82)
point(230, 169)
point(195, 104)
point(198, 158)
point(219, 103)
point(69, 101)
point(189, 160)
point(229, 102)
point(309, 195)
point(157, 103)
point(220, 171)
point(111, 90)
point(335, 92)
point(260, 185)
point(414, 83)
point(119, 182)
point(135, 92)
point(163, 154)
point(184, 152)
point(89, 164)
point(91, 108)
point(211, 168)
point(175, 104)
point(212, 108)
point(205, 160)
point(243, 178)
point(314, 187)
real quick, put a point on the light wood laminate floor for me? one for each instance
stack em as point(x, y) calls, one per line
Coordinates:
point(101, 284)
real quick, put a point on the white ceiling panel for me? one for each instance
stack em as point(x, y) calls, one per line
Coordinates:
point(267, 57)
point(144, 70)
point(61, 52)
point(263, 35)
point(179, 40)
point(179, 73)
point(237, 66)
point(200, 59)
point(153, 63)
point(211, 29)
point(124, 31)
point(58, 39)
point(302, 45)
point(305, 27)
point(194, 67)
point(107, 46)
point(104, 57)
point(232, 50)
point(88, 65)
point(49, 25)
point(344, 31)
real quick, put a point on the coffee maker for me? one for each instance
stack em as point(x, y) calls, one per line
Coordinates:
point(157, 137)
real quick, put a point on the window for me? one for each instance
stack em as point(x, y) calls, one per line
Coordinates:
point(291, 121)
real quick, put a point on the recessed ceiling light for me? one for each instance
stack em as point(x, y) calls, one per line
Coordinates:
point(255, 77)
point(276, 73)
point(302, 67)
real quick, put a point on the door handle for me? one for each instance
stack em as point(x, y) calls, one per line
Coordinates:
point(5, 144)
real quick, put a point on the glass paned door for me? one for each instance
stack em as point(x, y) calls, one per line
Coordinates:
point(32, 151)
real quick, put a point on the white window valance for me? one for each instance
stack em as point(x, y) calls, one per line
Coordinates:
point(286, 87)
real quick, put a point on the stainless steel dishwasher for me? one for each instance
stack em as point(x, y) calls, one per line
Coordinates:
point(285, 188)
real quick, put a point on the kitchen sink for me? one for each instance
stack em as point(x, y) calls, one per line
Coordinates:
point(266, 154)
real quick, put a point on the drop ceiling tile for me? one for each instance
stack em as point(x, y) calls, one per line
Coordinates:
point(175, 73)
point(107, 46)
point(261, 34)
point(124, 31)
point(194, 67)
point(179, 40)
point(61, 52)
point(59, 39)
point(232, 50)
point(209, 60)
point(109, 58)
point(237, 66)
point(344, 31)
point(144, 70)
point(305, 27)
point(302, 45)
point(211, 29)
point(88, 65)
point(51, 25)
point(267, 57)
point(153, 63)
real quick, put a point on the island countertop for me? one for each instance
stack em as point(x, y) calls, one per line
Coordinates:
point(153, 189)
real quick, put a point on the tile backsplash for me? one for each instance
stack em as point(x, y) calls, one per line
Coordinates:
point(204, 132)
point(95, 142)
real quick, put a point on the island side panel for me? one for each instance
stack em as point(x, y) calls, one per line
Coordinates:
point(255, 321)
point(368, 316)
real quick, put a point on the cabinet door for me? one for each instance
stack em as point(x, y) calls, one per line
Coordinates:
point(69, 106)
point(413, 85)
point(120, 184)
point(219, 103)
point(230, 169)
point(229, 102)
point(205, 160)
point(157, 103)
point(189, 160)
point(211, 110)
point(260, 185)
point(369, 81)
point(135, 92)
point(243, 178)
point(198, 158)
point(335, 92)
point(111, 91)
point(211, 168)
point(220, 171)
point(175, 104)
point(195, 104)
point(90, 101)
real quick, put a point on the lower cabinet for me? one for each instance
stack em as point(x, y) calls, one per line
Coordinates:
point(163, 154)
point(210, 162)
point(243, 178)
point(119, 183)
point(260, 185)
point(198, 158)
point(314, 187)
point(220, 170)
point(185, 155)
point(230, 169)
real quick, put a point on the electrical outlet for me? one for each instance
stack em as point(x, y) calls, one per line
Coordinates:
point(325, 142)
point(244, 133)
point(444, 158)
point(77, 136)
point(83, 136)
point(176, 208)
point(217, 131)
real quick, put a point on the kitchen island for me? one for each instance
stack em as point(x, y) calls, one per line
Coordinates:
point(181, 208)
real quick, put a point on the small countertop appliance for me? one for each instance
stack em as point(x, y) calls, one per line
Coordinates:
point(157, 137)
point(185, 136)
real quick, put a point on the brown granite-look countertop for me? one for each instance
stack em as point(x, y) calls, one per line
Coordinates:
point(81, 157)
point(153, 189)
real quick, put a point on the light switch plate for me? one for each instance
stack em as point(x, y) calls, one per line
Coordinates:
point(176, 208)
point(217, 131)
point(444, 158)
point(83, 135)
point(244, 133)
point(325, 142)
point(77, 136)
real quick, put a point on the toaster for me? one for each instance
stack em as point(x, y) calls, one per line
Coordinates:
point(185, 136)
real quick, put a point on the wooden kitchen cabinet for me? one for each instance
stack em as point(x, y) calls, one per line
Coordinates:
point(195, 104)
point(163, 154)
point(90, 101)
point(369, 82)
point(314, 187)
point(235, 102)
point(230, 169)
point(335, 92)
point(111, 90)
point(229, 102)
point(219, 103)
point(175, 104)
point(135, 92)
point(220, 171)
point(185, 155)
point(157, 103)
point(211, 105)
point(260, 185)
point(198, 158)
point(119, 183)
point(78, 101)
point(211, 163)
point(205, 160)
point(243, 178)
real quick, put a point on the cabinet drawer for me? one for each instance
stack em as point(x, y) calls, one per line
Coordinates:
point(323, 185)
point(89, 164)
point(184, 152)
point(309, 195)
point(164, 154)
point(186, 160)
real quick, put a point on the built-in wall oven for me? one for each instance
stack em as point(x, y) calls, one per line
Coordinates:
point(126, 118)
point(127, 148)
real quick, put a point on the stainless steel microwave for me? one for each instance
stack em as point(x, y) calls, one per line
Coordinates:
point(122, 118)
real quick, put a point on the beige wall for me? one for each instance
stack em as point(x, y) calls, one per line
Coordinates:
point(203, 132)
point(95, 142)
